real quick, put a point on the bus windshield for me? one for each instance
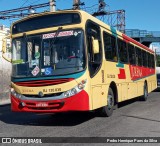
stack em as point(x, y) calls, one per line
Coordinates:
point(55, 53)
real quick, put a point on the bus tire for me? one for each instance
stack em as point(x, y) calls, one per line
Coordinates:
point(107, 110)
point(144, 97)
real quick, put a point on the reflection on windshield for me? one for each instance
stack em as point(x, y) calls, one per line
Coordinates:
point(46, 54)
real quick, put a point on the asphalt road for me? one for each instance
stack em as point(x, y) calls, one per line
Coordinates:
point(132, 119)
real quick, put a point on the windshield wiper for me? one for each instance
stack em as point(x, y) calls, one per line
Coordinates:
point(56, 35)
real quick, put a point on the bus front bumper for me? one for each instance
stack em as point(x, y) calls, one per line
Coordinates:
point(78, 102)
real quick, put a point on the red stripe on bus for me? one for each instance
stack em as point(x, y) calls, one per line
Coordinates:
point(126, 38)
point(137, 72)
point(43, 82)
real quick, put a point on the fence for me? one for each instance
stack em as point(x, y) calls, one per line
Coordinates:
point(5, 76)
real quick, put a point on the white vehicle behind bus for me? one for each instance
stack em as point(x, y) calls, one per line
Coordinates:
point(158, 76)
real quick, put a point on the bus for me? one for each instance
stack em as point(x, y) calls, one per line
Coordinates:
point(70, 61)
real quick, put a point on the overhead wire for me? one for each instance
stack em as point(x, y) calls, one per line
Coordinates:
point(24, 3)
point(36, 2)
point(29, 3)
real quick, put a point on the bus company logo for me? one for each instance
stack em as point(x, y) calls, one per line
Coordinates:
point(136, 72)
point(61, 34)
point(27, 90)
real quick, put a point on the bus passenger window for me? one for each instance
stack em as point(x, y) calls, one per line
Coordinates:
point(115, 58)
point(122, 50)
point(149, 60)
point(146, 59)
point(110, 47)
point(131, 54)
point(152, 61)
point(143, 57)
point(140, 57)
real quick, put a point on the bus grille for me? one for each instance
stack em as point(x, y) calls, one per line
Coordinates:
point(45, 96)
point(40, 83)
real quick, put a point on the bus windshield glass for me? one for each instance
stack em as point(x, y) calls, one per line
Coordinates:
point(56, 53)
point(46, 21)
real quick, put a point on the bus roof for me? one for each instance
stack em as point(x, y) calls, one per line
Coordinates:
point(118, 33)
point(87, 16)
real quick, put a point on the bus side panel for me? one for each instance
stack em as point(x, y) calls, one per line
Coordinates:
point(152, 83)
point(99, 96)
point(131, 85)
point(140, 87)
point(121, 80)
point(115, 73)
point(132, 89)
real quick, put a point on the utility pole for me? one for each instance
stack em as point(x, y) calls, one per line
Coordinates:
point(102, 5)
point(76, 4)
point(52, 5)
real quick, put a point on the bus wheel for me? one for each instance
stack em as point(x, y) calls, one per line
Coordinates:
point(144, 97)
point(107, 110)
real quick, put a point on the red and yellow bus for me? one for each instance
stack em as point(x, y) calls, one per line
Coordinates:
point(71, 61)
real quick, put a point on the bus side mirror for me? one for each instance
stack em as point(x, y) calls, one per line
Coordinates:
point(95, 46)
point(4, 48)
point(4, 41)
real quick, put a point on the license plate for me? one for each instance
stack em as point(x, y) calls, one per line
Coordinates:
point(42, 104)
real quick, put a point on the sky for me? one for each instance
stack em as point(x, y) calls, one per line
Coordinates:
point(140, 14)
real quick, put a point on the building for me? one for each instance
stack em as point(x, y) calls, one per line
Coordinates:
point(5, 67)
point(4, 31)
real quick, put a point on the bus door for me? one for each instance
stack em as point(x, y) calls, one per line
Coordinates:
point(95, 65)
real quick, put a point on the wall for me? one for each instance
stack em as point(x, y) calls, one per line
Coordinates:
point(5, 72)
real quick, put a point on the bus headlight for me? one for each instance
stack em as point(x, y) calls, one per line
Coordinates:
point(80, 86)
point(19, 96)
point(15, 94)
point(66, 94)
point(73, 91)
point(76, 89)
point(12, 90)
